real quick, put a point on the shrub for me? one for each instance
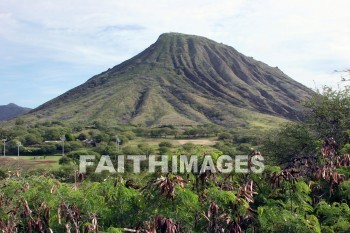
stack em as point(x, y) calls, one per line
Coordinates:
point(131, 150)
point(64, 160)
point(3, 175)
point(165, 144)
point(75, 155)
point(145, 149)
point(164, 150)
point(82, 136)
point(225, 136)
point(189, 147)
point(291, 141)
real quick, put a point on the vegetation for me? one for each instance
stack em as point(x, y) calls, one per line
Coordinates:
point(328, 114)
point(326, 117)
point(305, 186)
point(294, 199)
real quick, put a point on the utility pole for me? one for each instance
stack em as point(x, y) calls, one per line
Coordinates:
point(18, 145)
point(4, 141)
point(117, 141)
point(63, 138)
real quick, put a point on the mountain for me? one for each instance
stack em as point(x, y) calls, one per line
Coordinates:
point(11, 110)
point(182, 80)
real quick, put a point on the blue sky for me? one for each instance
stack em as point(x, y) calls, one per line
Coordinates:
point(48, 47)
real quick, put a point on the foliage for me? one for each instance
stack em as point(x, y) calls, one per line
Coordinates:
point(3, 174)
point(345, 149)
point(145, 149)
point(344, 190)
point(64, 160)
point(189, 147)
point(32, 139)
point(48, 149)
point(131, 150)
point(165, 144)
point(227, 148)
point(75, 155)
point(279, 200)
point(82, 136)
point(164, 150)
point(335, 217)
point(328, 113)
point(291, 141)
point(225, 136)
point(309, 192)
point(54, 133)
point(69, 137)
point(275, 219)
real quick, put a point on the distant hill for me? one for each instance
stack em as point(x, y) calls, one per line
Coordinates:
point(11, 110)
point(181, 80)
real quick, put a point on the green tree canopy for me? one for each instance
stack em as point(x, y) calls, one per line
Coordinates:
point(291, 141)
point(328, 113)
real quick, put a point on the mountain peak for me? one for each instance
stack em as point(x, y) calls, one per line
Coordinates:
point(171, 34)
point(11, 110)
point(183, 80)
point(178, 35)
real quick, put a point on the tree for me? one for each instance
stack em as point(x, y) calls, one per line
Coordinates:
point(291, 141)
point(225, 136)
point(154, 133)
point(226, 148)
point(164, 150)
point(75, 155)
point(101, 137)
point(165, 144)
point(32, 139)
point(54, 132)
point(69, 137)
point(189, 147)
point(70, 146)
point(335, 217)
point(328, 113)
point(131, 150)
point(64, 160)
point(192, 132)
point(48, 149)
point(130, 135)
point(145, 149)
point(82, 136)
point(105, 148)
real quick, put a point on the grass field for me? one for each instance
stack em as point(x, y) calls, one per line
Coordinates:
point(201, 142)
point(51, 162)
point(176, 142)
point(30, 162)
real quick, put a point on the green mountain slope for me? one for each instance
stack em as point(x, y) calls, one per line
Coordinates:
point(181, 80)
